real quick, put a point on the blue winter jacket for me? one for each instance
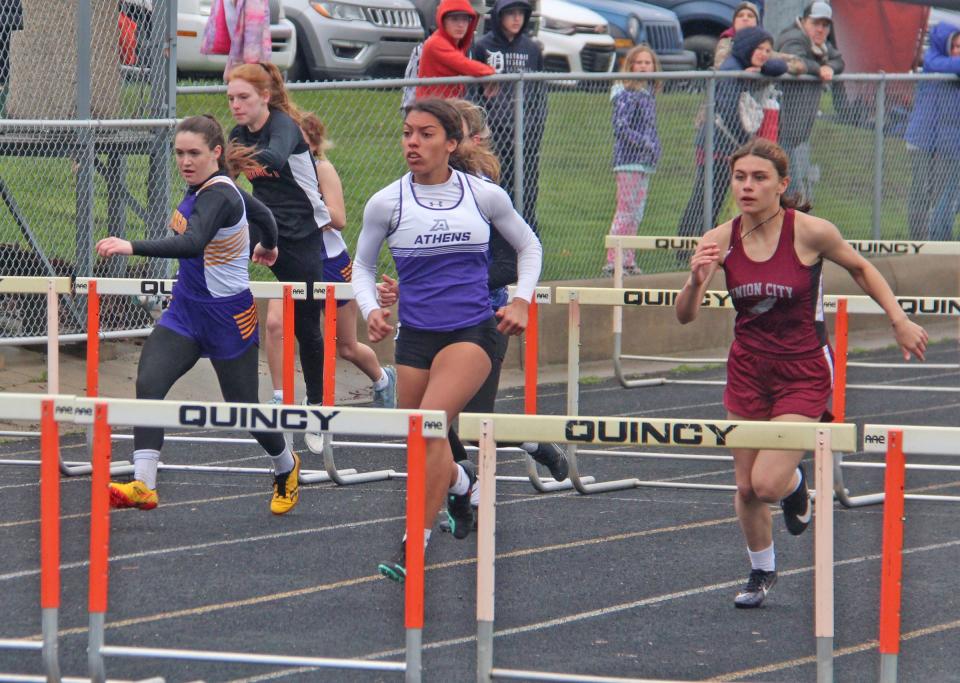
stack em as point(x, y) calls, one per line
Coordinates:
point(635, 139)
point(934, 124)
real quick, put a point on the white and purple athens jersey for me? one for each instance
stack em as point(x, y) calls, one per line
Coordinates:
point(439, 237)
point(221, 271)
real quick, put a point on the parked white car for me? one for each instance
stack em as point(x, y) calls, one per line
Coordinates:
point(574, 38)
point(192, 16)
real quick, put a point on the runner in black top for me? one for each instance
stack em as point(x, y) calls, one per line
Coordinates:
point(287, 184)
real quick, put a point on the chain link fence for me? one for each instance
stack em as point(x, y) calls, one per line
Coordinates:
point(67, 183)
point(82, 158)
point(846, 140)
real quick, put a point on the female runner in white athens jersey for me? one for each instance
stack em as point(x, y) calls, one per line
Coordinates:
point(436, 222)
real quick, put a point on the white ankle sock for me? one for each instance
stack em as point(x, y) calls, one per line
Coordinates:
point(145, 463)
point(462, 484)
point(426, 537)
point(799, 480)
point(383, 381)
point(763, 559)
point(278, 394)
point(283, 462)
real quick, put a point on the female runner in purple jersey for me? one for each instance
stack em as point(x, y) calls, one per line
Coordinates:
point(780, 366)
point(436, 222)
point(212, 313)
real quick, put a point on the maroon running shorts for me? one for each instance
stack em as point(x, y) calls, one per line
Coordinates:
point(760, 388)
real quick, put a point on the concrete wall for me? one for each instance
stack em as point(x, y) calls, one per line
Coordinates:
point(655, 331)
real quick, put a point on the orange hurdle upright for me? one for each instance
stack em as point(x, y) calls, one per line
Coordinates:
point(99, 542)
point(531, 354)
point(413, 584)
point(892, 562)
point(841, 332)
point(49, 538)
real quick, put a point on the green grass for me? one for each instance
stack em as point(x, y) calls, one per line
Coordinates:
point(577, 191)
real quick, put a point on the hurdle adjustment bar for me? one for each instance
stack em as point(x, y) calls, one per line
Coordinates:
point(584, 485)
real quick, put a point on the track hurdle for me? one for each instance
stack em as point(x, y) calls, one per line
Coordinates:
point(95, 288)
point(52, 287)
point(668, 243)
point(47, 410)
point(935, 306)
point(843, 306)
point(574, 429)
point(896, 442)
point(104, 414)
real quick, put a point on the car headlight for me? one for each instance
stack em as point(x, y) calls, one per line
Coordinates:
point(567, 28)
point(337, 10)
point(633, 27)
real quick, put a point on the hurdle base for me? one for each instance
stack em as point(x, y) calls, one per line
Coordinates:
point(414, 665)
point(888, 668)
point(484, 650)
point(50, 652)
point(825, 659)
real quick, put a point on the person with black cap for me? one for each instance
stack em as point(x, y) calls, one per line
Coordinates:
point(508, 49)
point(807, 39)
point(751, 52)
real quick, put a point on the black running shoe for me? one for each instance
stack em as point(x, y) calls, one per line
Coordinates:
point(395, 569)
point(796, 507)
point(459, 511)
point(754, 593)
point(551, 456)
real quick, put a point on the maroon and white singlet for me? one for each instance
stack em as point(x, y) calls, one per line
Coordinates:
point(780, 361)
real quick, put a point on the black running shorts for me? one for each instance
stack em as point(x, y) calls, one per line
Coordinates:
point(417, 348)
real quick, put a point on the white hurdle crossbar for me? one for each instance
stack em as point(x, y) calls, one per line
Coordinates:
point(896, 442)
point(823, 439)
point(104, 414)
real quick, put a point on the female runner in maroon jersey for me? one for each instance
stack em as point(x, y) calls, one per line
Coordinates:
point(780, 366)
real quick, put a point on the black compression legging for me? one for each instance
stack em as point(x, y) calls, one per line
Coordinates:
point(483, 401)
point(167, 356)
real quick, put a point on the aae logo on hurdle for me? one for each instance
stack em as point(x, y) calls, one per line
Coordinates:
point(589, 430)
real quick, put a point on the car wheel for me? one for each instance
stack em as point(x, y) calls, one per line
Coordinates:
point(298, 70)
point(704, 46)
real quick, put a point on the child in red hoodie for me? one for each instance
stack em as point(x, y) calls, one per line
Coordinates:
point(445, 51)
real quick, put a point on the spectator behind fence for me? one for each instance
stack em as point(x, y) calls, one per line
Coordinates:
point(745, 15)
point(933, 141)
point(636, 148)
point(445, 51)
point(507, 49)
point(807, 39)
point(738, 118)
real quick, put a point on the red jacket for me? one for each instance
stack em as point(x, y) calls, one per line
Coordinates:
point(442, 56)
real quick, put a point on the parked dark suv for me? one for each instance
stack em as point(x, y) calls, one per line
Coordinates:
point(633, 22)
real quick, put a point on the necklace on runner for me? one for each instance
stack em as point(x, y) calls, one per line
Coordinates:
point(744, 236)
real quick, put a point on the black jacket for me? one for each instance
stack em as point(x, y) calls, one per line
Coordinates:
point(520, 55)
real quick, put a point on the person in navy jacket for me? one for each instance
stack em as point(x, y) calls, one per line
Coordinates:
point(933, 140)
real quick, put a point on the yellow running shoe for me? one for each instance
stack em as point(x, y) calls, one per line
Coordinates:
point(286, 489)
point(134, 494)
